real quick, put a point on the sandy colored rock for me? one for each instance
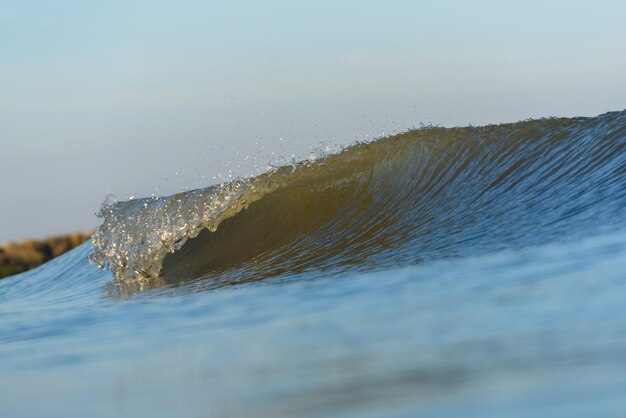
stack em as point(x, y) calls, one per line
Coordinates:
point(16, 257)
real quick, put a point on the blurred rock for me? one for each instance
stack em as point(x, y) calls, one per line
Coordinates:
point(16, 257)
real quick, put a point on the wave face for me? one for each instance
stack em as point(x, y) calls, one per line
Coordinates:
point(423, 195)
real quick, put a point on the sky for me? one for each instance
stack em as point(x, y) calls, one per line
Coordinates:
point(134, 98)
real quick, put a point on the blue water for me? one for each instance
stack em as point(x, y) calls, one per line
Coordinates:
point(486, 336)
point(528, 328)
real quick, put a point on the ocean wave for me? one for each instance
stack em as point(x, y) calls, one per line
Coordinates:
point(426, 194)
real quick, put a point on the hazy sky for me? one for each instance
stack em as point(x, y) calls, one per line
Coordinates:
point(142, 97)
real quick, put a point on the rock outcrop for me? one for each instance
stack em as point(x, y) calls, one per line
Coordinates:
point(16, 257)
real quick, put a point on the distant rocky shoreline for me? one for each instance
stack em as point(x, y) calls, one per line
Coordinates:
point(16, 257)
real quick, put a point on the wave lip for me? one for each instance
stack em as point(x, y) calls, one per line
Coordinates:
point(425, 194)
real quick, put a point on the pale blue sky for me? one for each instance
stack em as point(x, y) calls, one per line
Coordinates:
point(118, 96)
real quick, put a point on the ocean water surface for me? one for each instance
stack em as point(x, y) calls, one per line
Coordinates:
point(475, 271)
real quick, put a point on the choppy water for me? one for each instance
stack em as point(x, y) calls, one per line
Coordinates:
point(442, 272)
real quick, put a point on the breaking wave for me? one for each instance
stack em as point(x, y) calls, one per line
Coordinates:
point(422, 195)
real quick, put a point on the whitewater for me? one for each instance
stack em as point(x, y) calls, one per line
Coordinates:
point(454, 272)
